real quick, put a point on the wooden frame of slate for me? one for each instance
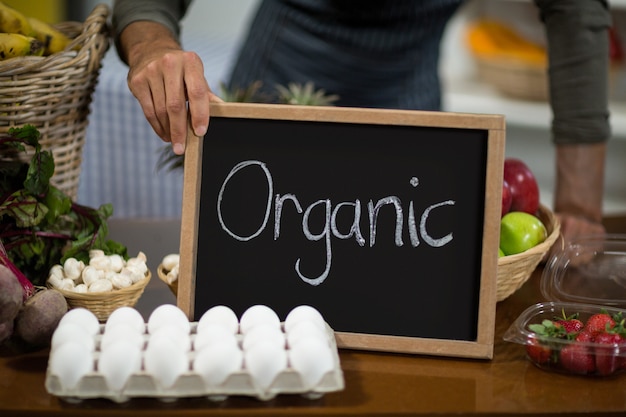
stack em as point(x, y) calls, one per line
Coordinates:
point(386, 221)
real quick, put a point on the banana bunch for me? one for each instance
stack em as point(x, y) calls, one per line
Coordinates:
point(23, 35)
point(491, 39)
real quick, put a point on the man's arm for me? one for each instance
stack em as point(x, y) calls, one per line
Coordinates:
point(167, 81)
point(577, 33)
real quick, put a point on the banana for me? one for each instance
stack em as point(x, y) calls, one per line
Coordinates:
point(53, 40)
point(13, 45)
point(12, 21)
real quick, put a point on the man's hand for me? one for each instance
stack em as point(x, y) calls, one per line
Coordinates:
point(579, 191)
point(168, 82)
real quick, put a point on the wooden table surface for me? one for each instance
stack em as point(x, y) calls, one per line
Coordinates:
point(375, 384)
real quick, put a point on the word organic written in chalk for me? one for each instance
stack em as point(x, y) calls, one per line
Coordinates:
point(417, 232)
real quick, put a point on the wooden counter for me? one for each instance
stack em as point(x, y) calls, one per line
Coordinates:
point(376, 383)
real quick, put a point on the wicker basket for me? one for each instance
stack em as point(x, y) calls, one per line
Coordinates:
point(102, 304)
point(514, 270)
point(53, 93)
point(162, 273)
point(513, 78)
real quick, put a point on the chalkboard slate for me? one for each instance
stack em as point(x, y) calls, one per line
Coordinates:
point(385, 221)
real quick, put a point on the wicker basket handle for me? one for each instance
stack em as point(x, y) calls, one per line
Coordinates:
point(94, 36)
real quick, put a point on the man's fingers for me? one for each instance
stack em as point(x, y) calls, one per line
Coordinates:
point(198, 93)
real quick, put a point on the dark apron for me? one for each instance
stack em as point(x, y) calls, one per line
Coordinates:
point(372, 53)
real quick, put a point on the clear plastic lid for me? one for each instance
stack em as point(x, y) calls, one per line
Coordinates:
point(590, 270)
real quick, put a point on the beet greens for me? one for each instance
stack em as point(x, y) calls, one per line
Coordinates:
point(40, 226)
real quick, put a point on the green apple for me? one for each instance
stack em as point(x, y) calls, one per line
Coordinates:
point(500, 253)
point(520, 231)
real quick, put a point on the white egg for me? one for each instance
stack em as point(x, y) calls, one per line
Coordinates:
point(126, 315)
point(216, 362)
point(167, 314)
point(121, 332)
point(258, 314)
point(166, 362)
point(263, 333)
point(221, 315)
point(84, 318)
point(312, 359)
point(265, 361)
point(305, 330)
point(173, 332)
point(304, 313)
point(118, 362)
point(70, 362)
point(212, 333)
point(72, 332)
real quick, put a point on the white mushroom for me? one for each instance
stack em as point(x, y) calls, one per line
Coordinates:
point(116, 262)
point(67, 284)
point(141, 257)
point(138, 264)
point(91, 274)
point(101, 285)
point(120, 281)
point(55, 281)
point(72, 268)
point(171, 260)
point(80, 288)
point(57, 271)
point(95, 253)
point(172, 275)
point(109, 275)
point(102, 263)
point(133, 272)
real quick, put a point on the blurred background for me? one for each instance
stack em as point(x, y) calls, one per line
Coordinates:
point(121, 146)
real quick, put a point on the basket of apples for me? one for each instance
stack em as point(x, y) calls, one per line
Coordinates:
point(528, 229)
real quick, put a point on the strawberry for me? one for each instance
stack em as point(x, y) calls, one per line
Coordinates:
point(608, 353)
point(537, 346)
point(571, 324)
point(578, 358)
point(538, 352)
point(599, 322)
point(584, 336)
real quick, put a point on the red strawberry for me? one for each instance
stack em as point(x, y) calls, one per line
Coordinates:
point(584, 336)
point(577, 358)
point(538, 352)
point(599, 322)
point(608, 354)
point(571, 324)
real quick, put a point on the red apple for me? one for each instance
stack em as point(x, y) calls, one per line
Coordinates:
point(523, 186)
point(507, 198)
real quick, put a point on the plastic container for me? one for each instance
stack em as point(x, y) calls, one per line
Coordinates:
point(587, 277)
point(560, 353)
point(591, 270)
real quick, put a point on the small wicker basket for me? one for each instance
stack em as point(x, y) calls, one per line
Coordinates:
point(53, 93)
point(102, 304)
point(514, 270)
point(162, 273)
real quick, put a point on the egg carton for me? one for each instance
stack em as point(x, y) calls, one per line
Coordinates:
point(143, 384)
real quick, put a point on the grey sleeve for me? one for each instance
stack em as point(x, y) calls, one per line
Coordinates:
point(578, 51)
point(167, 12)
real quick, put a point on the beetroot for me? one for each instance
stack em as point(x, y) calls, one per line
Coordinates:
point(40, 316)
point(10, 295)
point(6, 330)
point(28, 289)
